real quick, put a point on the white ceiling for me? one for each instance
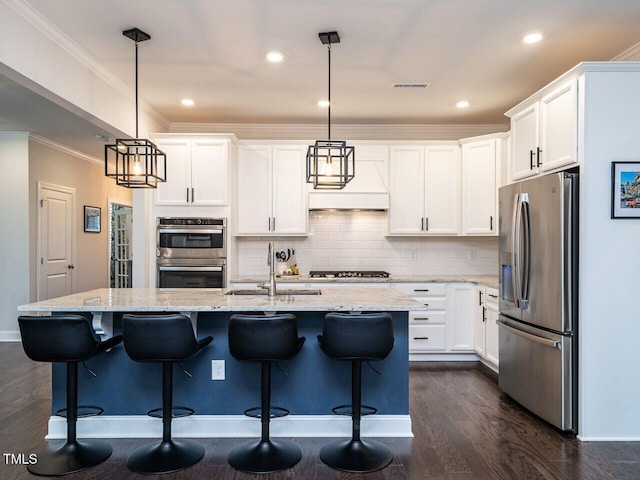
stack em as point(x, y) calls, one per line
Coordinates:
point(214, 52)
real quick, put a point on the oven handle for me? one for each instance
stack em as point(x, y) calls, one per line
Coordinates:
point(190, 230)
point(190, 269)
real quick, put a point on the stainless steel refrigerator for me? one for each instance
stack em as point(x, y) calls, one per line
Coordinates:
point(538, 223)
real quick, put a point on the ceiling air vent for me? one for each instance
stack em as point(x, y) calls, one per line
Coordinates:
point(411, 85)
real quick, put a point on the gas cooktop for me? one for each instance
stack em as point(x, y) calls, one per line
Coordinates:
point(348, 274)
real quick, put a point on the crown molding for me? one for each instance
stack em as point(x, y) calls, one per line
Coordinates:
point(64, 149)
point(352, 132)
point(631, 54)
point(62, 40)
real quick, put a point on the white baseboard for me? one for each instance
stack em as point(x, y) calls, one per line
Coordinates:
point(443, 357)
point(10, 336)
point(586, 438)
point(231, 426)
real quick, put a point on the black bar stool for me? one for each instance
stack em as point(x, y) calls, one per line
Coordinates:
point(356, 338)
point(69, 339)
point(264, 339)
point(165, 339)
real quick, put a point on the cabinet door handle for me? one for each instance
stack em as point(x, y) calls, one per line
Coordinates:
point(484, 314)
point(187, 194)
point(424, 319)
point(531, 159)
point(480, 298)
point(421, 224)
point(492, 296)
point(420, 289)
point(269, 227)
point(426, 224)
point(538, 152)
point(421, 338)
point(491, 223)
point(193, 196)
point(274, 224)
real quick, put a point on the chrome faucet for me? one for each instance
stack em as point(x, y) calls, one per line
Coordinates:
point(271, 261)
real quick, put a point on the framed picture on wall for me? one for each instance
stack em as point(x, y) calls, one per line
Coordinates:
point(625, 189)
point(91, 219)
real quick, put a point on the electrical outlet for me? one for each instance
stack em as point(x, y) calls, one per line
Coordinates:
point(217, 369)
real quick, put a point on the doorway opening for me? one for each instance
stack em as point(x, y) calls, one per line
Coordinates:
point(120, 263)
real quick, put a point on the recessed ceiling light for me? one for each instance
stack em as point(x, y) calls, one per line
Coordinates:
point(187, 102)
point(462, 104)
point(275, 56)
point(323, 103)
point(532, 37)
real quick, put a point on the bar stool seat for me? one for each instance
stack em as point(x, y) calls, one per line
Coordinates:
point(356, 338)
point(264, 339)
point(165, 339)
point(69, 339)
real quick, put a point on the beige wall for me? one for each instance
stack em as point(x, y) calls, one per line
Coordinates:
point(14, 232)
point(54, 166)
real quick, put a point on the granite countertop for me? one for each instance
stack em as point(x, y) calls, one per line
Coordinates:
point(204, 300)
point(487, 280)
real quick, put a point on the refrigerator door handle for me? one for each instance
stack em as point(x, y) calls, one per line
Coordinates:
point(515, 248)
point(529, 336)
point(525, 255)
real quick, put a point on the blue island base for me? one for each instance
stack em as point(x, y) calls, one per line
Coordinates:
point(315, 384)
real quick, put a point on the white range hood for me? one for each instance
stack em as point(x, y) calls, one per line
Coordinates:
point(367, 191)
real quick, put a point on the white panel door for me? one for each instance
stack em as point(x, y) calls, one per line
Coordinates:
point(559, 127)
point(460, 319)
point(254, 190)
point(479, 188)
point(177, 189)
point(442, 190)
point(406, 190)
point(55, 241)
point(525, 128)
point(289, 190)
point(209, 173)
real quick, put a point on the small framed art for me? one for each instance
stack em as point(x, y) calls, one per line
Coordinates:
point(91, 219)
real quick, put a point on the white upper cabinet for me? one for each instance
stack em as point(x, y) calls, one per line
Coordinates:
point(544, 133)
point(424, 188)
point(271, 190)
point(406, 190)
point(559, 127)
point(525, 132)
point(197, 171)
point(481, 162)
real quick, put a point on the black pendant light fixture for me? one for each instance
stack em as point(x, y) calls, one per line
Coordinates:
point(330, 163)
point(135, 162)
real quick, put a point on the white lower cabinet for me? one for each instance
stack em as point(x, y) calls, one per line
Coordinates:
point(486, 325)
point(447, 324)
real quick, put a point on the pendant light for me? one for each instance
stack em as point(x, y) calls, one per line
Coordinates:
point(135, 162)
point(330, 163)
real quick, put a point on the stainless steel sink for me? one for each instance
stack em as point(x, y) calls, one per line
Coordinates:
point(262, 291)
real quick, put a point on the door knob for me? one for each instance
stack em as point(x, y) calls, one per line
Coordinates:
point(70, 267)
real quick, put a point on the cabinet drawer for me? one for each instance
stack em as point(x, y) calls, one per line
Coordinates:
point(422, 289)
point(427, 318)
point(433, 303)
point(424, 338)
point(491, 297)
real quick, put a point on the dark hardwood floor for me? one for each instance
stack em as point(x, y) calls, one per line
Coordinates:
point(465, 429)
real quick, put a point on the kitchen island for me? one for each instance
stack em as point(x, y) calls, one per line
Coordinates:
point(127, 390)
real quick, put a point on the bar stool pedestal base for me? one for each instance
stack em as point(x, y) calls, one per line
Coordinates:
point(357, 456)
point(70, 458)
point(265, 456)
point(165, 457)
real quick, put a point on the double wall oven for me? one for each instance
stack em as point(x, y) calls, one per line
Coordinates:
point(191, 252)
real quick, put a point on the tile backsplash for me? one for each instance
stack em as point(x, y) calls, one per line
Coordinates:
point(356, 240)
